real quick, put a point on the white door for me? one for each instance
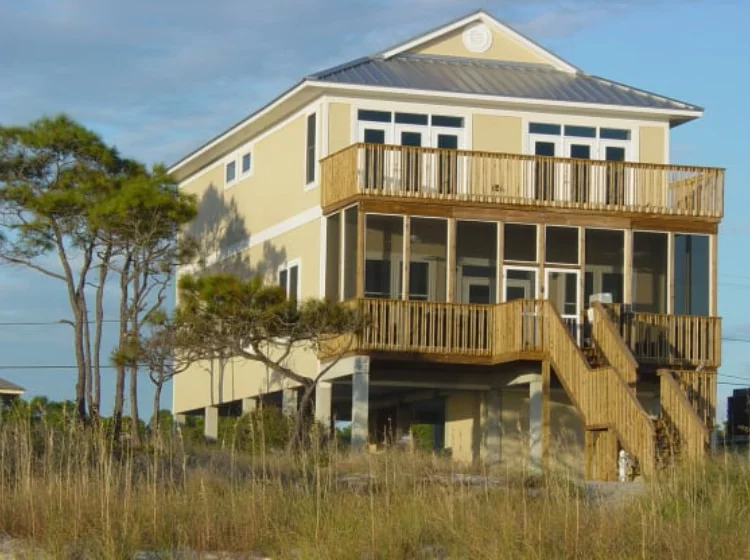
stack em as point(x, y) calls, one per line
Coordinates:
point(520, 283)
point(410, 163)
point(579, 174)
point(546, 180)
point(563, 290)
point(375, 162)
point(448, 168)
point(617, 179)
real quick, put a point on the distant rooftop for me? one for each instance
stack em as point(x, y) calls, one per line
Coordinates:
point(8, 388)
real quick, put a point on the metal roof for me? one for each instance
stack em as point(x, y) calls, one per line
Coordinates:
point(493, 78)
point(8, 387)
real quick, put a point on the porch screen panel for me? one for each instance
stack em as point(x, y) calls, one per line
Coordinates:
point(604, 268)
point(350, 252)
point(691, 273)
point(476, 262)
point(384, 254)
point(650, 271)
point(333, 256)
point(428, 259)
point(520, 242)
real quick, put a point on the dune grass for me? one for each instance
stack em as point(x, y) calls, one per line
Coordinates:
point(70, 493)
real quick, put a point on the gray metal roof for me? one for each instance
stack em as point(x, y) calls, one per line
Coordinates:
point(7, 386)
point(494, 78)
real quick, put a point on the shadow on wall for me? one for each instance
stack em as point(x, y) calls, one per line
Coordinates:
point(224, 240)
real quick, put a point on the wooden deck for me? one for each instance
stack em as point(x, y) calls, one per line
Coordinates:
point(428, 174)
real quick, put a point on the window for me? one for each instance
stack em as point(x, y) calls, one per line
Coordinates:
point(411, 118)
point(289, 280)
point(650, 271)
point(350, 226)
point(333, 256)
point(605, 256)
point(520, 242)
point(691, 272)
point(428, 238)
point(310, 162)
point(374, 116)
point(384, 249)
point(561, 245)
point(614, 134)
point(448, 122)
point(542, 128)
point(476, 262)
point(230, 175)
point(246, 163)
point(580, 131)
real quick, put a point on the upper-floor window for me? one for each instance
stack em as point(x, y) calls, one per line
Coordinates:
point(246, 163)
point(289, 280)
point(310, 163)
point(230, 173)
point(552, 129)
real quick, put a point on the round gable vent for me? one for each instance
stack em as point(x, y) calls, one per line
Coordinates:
point(477, 38)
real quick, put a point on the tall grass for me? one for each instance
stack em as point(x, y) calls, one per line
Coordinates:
point(70, 492)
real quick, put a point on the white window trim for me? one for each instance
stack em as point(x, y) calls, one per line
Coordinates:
point(286, 266)
point(316, 179)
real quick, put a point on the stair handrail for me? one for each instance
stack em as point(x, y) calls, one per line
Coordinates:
point(612, 345)
point(602, 395)
point(693, 432)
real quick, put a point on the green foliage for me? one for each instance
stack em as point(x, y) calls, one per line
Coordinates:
point(423, 436)
point(265, 428)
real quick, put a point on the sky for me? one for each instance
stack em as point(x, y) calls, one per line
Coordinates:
point(157, 79)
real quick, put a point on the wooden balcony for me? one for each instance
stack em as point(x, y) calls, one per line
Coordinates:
point(429, 174)
point(473, 333)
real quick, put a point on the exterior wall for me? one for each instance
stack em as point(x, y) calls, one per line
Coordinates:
point(503, 47)
point(653, 144)
point(253, 204)
point(492, 133)
point(209, 384)
point(339, 126)
point(462, 423)
point(566, 446)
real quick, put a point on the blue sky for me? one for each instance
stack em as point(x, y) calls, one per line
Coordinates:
point(159, 78)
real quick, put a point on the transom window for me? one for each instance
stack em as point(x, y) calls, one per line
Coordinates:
point(576, 131)
point(420, 119)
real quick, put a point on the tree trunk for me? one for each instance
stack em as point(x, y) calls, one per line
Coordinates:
point(80, 359)
point(99, 318)
point(135, 434)
point(300, 421)
point(157, 402)
point(122, 341)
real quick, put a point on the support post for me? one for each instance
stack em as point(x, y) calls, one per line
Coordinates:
point(535, 423)
point(360, 256)
point(627, 279)
point(541, 251)
point(360, 402)
point(323, 397)
point(406, 258)
point(670, 274)
point(451, 250)
point(499, 294)
point(289, 402)
point(713, 291)
point(492, 428)
point(211, 423)
point(546, 432)
point(249, 405)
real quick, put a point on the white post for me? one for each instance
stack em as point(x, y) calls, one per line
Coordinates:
point(492, 427)
point(323, 395)
point(360, 402)
point(289, 402)
point(211, 423)
point(249, 405)
point(535, 423)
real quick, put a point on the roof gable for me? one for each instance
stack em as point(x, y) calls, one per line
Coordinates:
point(480, 36)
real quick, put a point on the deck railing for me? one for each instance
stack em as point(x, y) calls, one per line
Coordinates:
point(676, 341)
point(380, 170)
point(692, 431)
point(611, 344)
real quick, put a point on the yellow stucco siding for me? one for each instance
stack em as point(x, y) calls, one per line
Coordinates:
point(653, 144)
point(462, 425)
point(493, 133)
point(209, 384)
point(566, 447)
point(273, 192)
point(503, 47)
point(339, 126)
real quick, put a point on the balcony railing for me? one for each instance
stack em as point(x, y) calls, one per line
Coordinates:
point(677, 341)
point(417, 173)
